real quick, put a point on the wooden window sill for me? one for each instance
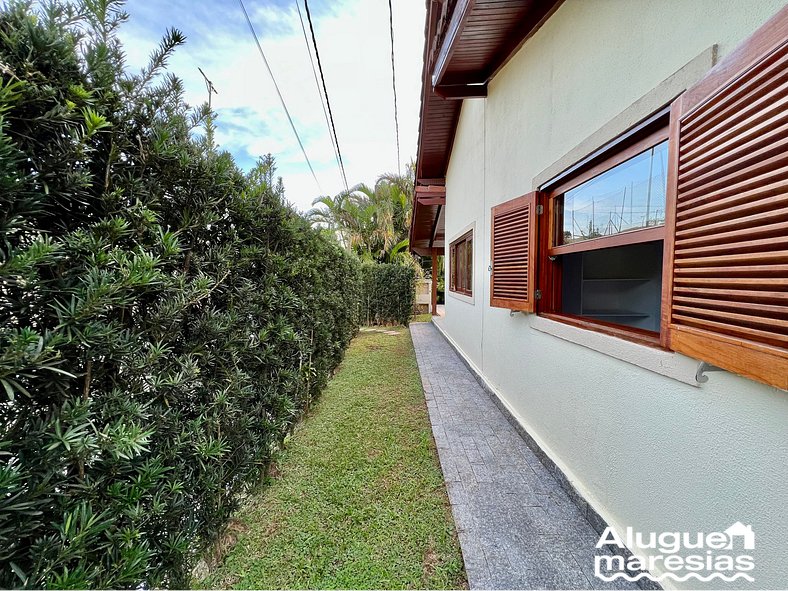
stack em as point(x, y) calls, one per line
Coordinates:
point(639, 348)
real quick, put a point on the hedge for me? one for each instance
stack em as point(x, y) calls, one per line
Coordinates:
point(164, 317)
point(388, 293)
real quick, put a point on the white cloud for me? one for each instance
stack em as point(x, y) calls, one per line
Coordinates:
point(354, 44)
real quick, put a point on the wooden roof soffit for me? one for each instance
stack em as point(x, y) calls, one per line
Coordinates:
point(457, 89)
point(469, 49)
point(450, 38)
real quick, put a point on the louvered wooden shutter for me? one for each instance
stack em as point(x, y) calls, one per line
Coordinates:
point(453, 267)
point(727, 229)
point(513, 244)
point(469, 264)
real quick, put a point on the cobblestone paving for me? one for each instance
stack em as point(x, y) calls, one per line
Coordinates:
point(518, 528)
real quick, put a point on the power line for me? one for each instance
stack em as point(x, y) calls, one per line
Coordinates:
point(281, 99)
point(394, 84)
point(319, 93)
point(325, 91)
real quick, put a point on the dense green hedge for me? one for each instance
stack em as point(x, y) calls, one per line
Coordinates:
point(388, 293)
point(164, 317)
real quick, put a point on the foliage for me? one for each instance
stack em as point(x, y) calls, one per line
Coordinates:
point(388, 293)
point(164, 317)
point(358, 501)
point(374, 221)
point(374, 224)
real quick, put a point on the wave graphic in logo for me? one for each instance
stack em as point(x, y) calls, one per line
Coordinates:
point(676, 577)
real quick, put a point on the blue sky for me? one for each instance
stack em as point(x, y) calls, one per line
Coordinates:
point(353, 39)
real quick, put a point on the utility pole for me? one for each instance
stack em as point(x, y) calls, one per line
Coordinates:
point(209, 119)
point(208, 85)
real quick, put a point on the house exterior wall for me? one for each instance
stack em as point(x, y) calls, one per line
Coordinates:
point(465, 178)
point(647, 450)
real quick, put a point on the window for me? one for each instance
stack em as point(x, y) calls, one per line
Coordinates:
point(629, 196)
point(461, 261)
point(603, 261)
point(700, 266)
point(676, 233)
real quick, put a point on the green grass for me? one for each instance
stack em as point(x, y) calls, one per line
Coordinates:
point(359, 500)
point(422, 318)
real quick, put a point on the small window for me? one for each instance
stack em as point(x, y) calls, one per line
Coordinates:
point(461, 261)
point(604, 257)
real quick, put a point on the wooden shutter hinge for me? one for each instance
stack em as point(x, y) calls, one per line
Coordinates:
point(538, 294)
point(539, 209)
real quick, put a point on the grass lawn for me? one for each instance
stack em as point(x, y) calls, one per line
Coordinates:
point(358, 500)
point(422, 318)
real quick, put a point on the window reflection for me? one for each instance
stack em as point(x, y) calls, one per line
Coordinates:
point(629, 196)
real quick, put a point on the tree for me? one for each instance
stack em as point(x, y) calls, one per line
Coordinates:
point(373, 222)
point(165, 318)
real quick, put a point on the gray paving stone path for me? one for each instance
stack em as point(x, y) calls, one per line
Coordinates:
point(518, 528)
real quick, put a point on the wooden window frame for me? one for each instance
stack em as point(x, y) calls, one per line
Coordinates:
point(454, 269)
point(652, 131)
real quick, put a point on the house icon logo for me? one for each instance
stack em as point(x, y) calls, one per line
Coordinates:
point(742, 531)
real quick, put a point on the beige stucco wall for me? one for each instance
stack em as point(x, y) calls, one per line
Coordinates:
point(646, 450)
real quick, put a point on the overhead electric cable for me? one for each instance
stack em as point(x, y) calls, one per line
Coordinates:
point(325, 90)
point(278, 92)
point(394, 83)
point(319, 92)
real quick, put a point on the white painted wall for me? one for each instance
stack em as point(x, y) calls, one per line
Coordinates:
point(465, 179)
point(646, 450)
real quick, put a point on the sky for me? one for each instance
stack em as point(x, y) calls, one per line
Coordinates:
point(354, 43)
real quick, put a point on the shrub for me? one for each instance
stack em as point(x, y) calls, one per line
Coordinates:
point(388, 293)
point(164, 317)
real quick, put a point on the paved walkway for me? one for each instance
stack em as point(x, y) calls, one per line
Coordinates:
point(518, 528)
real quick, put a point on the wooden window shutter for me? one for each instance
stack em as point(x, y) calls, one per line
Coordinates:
point(513, 246)
point(460, 282)
point(453, 268)
point(469, 264)
point(726, 249)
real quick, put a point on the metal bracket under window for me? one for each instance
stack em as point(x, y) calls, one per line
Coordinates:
point(702, 368)
point(513, 312)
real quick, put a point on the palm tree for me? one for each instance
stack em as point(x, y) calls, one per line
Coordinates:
point(372, 221)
